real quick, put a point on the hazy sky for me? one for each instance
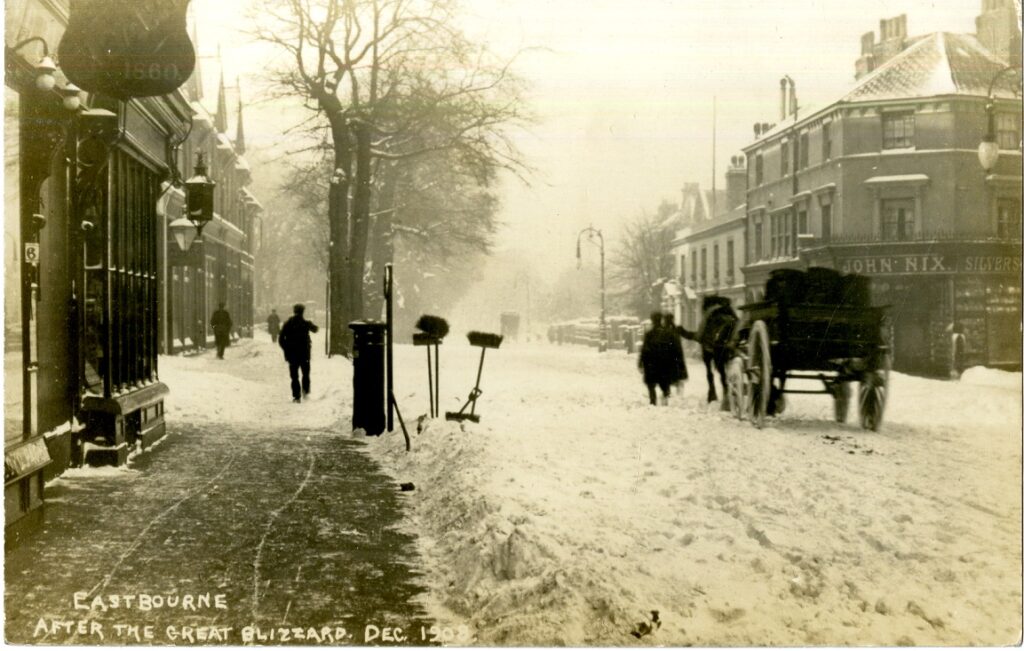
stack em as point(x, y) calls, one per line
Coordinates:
point(624, 90)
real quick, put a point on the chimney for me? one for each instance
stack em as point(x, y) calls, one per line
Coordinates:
point(998, 30)
point(866, 62)
point(736, 182)
point(757, 129)
point(782, 99)
point(792, 96)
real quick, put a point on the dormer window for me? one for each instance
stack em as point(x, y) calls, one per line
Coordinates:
point(898, 130)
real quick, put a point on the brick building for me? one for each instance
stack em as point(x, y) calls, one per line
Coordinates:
point(885, 181)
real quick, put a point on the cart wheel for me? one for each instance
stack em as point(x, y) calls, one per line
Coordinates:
point(737, 387)
point(841, 400)
point(759, 371)
point(873, 395)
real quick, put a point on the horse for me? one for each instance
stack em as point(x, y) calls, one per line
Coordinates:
point(717, 328)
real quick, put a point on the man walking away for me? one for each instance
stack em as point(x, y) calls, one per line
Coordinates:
point(221, 324)
point(656, 359)
point(273, 325)
point(678, 366)
point(296, 344)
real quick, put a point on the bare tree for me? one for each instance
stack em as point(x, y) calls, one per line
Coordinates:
point(392, 80)
point(640, 261)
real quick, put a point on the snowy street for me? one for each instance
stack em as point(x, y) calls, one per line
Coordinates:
point(567, 515)
point(573, 509)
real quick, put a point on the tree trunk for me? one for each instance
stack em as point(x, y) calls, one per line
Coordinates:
point(340, 337)
point(360, 222)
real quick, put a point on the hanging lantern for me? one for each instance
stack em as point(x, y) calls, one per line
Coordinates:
point(199, 196)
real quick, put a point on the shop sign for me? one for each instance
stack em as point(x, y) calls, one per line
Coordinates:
point(929, 264)
point(127, 48)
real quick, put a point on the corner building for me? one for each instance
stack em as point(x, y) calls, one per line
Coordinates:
point(886, 182)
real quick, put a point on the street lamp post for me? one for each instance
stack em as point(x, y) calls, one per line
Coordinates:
point(602, 345)
point(988, 149)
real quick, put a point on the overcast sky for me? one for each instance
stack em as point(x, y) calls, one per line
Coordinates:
point(624, 90)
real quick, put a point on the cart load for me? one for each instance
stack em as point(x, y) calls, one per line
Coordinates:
point(816, 324)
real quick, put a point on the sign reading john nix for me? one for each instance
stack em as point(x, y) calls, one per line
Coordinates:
point(929, 264)
point(145, 52)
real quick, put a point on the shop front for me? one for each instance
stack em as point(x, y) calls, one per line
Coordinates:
point(951, 304)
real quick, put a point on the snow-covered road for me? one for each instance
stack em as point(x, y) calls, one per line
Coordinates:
point(574, 509)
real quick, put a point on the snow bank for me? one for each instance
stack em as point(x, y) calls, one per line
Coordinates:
point(990, 377)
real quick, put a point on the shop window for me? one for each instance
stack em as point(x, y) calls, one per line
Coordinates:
point(1008, 218)
point(121, 271)
point(897, 219)
point(1008, 131)
point(897, 130)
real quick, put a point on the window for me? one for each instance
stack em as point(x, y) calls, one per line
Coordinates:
point(804, 146)
point(826, 141)
point(682, 269)
point(716, 266)
point(120, 267)
point(703, 266)
point(758, 241)
point(826, 222)
point(789, 234)
point(1008, 131)
point(730, 262)
point(801, 222)
point(784, 159)
point(897, 130)
point(693, 269)
point(897, 219)
point(758, 170)
point(1008, 218)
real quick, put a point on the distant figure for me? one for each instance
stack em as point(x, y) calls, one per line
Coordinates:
point(273, 325)
point(656, 360)
point(678, 361)
point(296, 344)
point(221, 324)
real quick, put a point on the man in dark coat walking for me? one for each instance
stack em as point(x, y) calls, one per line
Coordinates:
point(680, 373)
point(273, 325)
point(656, 360)
point(297, 346)
point(221, 324)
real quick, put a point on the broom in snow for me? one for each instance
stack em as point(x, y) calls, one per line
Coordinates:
point(484, 340)
point(432, 330)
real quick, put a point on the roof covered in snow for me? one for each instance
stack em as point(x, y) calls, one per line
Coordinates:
point(934, 65)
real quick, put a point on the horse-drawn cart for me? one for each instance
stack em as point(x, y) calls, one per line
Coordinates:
point(814, 325)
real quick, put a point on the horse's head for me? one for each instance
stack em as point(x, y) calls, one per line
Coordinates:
point(715, 301)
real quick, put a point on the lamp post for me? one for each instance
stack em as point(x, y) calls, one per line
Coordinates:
point(198, 207)
point(602, 345)
point(988, 149)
